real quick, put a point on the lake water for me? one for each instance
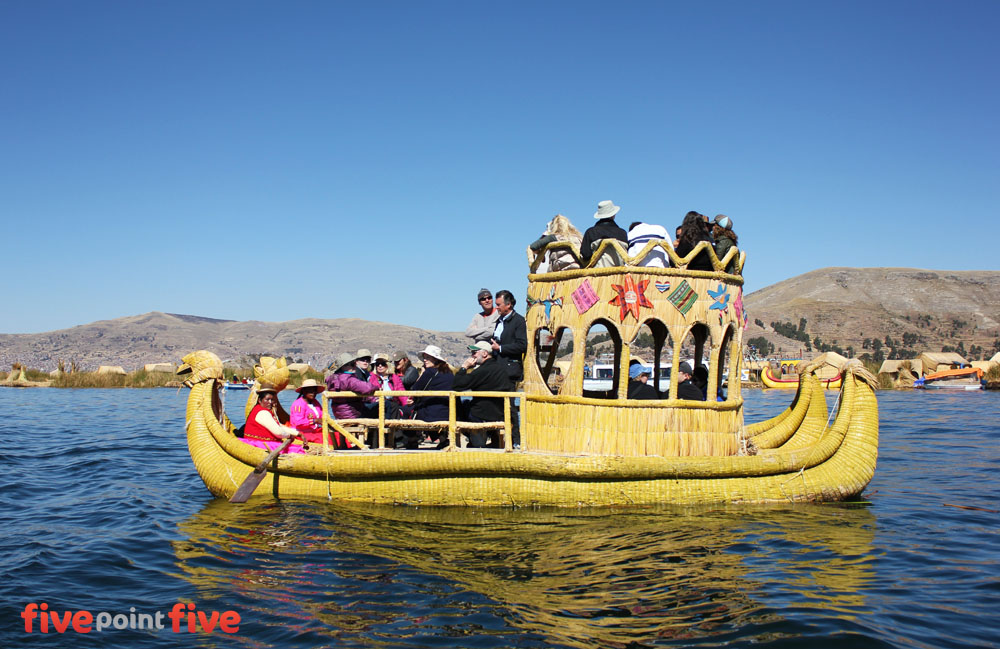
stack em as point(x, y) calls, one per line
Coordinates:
point(104, 512)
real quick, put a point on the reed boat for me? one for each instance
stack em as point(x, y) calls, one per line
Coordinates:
point(827, 367)
point(582, 447)
point(791, 381)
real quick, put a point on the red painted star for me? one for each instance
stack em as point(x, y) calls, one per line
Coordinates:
point(630, 297)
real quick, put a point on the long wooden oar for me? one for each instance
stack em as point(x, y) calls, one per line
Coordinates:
point(250, 484)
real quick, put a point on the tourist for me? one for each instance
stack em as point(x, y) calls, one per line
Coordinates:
point(638, 388)
point(384, 379)
point(344, 379)
point(262, 428)
point(483, 323)
point(693, 231)
point(405, 370)
point(307, 412)
point(725, 238)
point(686, 389)
point(509, 343)
point(640, 234)
point(436, 376)
point(362, 364)
point(510, 337)
point(605, 228)
point(489, 376)
point(562, 258)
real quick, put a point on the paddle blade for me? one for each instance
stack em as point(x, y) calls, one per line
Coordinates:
point(249, 485)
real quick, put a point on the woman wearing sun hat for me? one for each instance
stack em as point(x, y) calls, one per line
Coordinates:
point(437, 375)
point(725, 238)
point(262, 428)
point(307, 413)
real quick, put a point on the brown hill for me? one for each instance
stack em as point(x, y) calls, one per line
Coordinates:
point(154, 337)
point(849, 307)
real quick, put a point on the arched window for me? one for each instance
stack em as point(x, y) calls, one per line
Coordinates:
point(653, 346)
point(553, 354)
point(696, 349)
point(729, 364)
point(602, 357)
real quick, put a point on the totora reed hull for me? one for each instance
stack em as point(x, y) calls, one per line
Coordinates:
point(800, 456)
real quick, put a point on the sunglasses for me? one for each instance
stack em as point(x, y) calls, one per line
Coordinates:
point(382, 363)
point(485, 299)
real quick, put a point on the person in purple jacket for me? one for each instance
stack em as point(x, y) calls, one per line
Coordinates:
point(343, 380)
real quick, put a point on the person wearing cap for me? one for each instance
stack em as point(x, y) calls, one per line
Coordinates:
point(686, 389)
point(344, 380)
point(405, 370)
point(262, 428)
point(436, 376)
point(725, 238)
point(307, 413)
point(638, 388)
point(694, 230)
point(605, 228)
point(489, 376)
point(481, 327)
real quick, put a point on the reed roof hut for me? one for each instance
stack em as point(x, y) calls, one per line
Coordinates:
point(111, 369)
point(902, 372)
point(170, 368)
point(830, 365)
point(936, 361)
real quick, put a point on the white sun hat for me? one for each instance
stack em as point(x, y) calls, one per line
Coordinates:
point(606, 209)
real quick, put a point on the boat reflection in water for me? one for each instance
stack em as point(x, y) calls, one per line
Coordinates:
point(563, 577)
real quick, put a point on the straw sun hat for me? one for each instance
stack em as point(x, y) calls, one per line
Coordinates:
point(343, 358)
point(310, 383)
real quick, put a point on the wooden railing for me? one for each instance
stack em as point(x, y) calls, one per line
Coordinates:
point(385, 425)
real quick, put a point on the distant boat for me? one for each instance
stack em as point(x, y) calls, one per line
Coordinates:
point(965, 378)
point(237, 386)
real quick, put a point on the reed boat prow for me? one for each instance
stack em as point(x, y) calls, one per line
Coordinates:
point(586, 448)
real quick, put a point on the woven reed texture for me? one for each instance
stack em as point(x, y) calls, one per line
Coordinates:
point(837, 466)
point(658, 427)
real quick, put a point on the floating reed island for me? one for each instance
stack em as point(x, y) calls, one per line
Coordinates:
point(580, 446)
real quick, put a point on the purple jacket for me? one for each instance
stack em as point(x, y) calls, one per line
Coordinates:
point(347, 407)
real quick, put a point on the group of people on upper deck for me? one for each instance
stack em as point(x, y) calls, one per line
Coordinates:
point(694, 229)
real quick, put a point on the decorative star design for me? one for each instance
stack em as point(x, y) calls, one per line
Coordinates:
point(630, 297)
point(721, 298)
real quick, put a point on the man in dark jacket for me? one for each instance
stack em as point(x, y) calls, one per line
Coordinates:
point(686, 389)
point(509, 343)
point(489, 376)
point(637, 386)
point(605, 228)
point(510, 336)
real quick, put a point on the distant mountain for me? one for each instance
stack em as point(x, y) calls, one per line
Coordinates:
point(164, 337)
point(847, 307)
point(918, 309)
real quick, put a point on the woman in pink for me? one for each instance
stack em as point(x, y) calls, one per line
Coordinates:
point(307, 413)
point(262, 428)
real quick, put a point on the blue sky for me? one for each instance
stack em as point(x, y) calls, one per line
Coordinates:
point(274, 161)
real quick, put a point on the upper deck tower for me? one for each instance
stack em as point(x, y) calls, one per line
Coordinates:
point(701, 308)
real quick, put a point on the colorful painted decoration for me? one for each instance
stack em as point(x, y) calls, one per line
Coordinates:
point(741, 314)
point(683, 297)
point(630, 297)
point(721, 297)
point(547, 302)
point(584, 297)
point(662, 287)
